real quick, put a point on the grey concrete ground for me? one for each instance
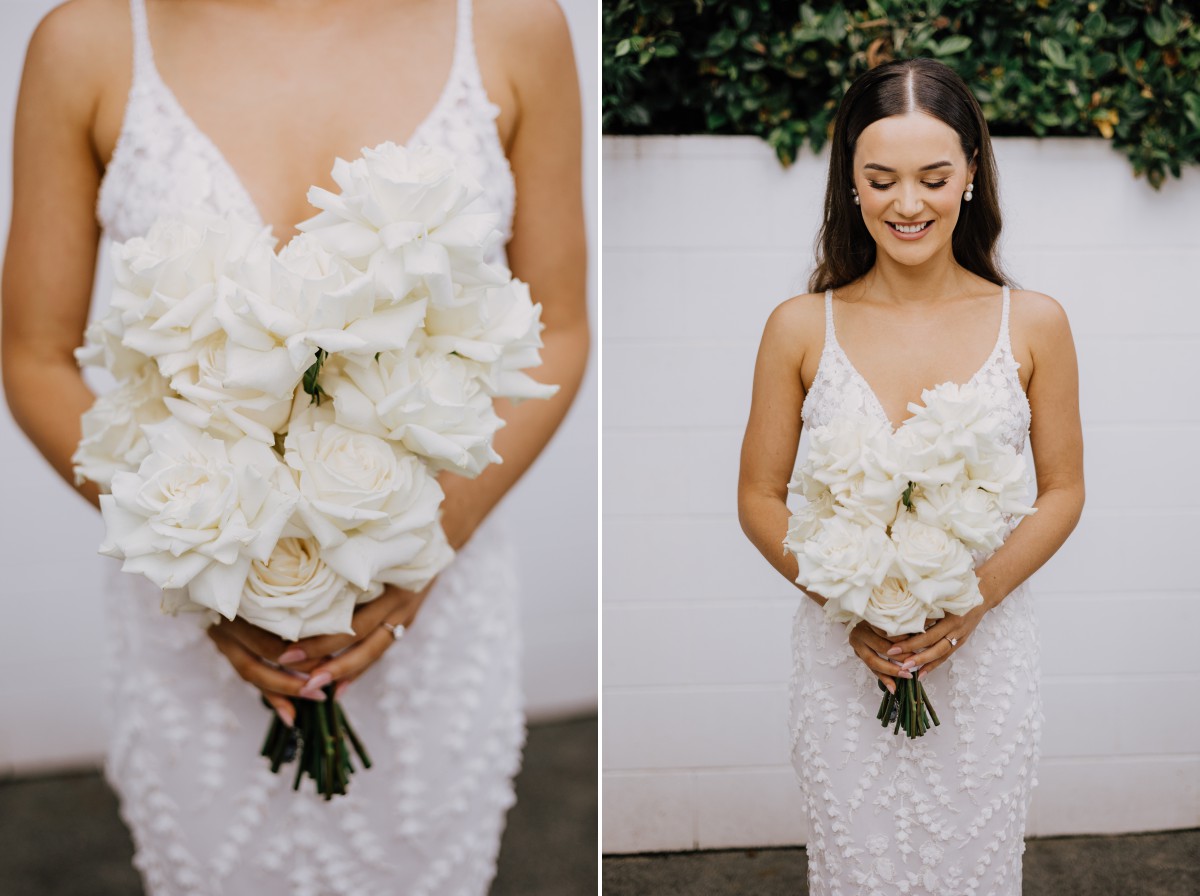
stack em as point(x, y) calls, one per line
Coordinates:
point(1164, 864)
point(60, 835)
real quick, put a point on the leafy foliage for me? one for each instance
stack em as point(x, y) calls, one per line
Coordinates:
point(1127, 71)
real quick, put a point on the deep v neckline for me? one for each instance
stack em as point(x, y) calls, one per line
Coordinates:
point(831, 335)
point(222, 161)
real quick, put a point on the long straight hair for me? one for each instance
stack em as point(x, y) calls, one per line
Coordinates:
point(845, 249)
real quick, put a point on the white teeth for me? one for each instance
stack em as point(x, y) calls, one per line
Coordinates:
point(911, 228)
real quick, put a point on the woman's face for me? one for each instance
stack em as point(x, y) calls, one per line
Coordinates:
point(910, 174)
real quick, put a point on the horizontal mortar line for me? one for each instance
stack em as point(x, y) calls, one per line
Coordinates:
point(1084, 594)
point(803, 267)
point(1123, 758)
point(724, 603)
point(779, 687)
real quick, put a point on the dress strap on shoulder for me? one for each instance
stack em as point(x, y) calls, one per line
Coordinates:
point(1005, 339)
point(830, 338)
point(143, 55)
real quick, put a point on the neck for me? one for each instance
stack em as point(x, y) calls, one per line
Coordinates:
point(935, 280)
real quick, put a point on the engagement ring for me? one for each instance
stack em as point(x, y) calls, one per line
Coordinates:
point(396, 630)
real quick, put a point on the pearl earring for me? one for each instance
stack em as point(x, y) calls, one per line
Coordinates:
point(854, 190)
point(967, 195)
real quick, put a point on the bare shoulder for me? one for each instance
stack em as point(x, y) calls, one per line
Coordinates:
point(77, 47)
point(531, 35)
point(796, 326)
point(1038, 318)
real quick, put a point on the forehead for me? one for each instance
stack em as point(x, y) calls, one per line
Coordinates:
point(907, 142)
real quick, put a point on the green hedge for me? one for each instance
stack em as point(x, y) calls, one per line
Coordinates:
point(1122, 70)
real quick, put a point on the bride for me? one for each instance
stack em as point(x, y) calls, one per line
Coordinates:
point(131, 109)
point(908, 294)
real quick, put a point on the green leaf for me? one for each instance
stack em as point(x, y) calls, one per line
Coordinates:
point(1053, 51)
point(623, 47)
point(954, 44)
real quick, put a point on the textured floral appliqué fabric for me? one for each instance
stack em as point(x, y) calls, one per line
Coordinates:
point(440, 714)
point(944, 813)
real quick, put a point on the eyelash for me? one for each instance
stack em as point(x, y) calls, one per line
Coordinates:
point(937, 186)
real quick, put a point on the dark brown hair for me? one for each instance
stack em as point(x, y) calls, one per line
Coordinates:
point(845, 250)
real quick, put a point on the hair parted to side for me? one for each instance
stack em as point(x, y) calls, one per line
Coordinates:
point(844, 248)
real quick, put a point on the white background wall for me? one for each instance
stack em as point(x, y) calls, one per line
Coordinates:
point(51, 706)
point(703, 236)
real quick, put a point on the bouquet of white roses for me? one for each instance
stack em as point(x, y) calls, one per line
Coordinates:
point(895, 521)
point(272, 446)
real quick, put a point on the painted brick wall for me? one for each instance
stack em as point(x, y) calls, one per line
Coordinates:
point(51, 712)
point(702, 238)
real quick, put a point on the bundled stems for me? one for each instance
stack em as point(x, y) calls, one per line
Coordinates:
point(909, 707)
point(319, 739)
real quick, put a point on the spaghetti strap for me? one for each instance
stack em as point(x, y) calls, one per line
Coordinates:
point(1005, 339)
point(830, 337)
point(143, 54)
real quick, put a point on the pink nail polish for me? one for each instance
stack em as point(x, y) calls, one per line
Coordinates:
point(893, 651)
point(291, 655)
point(318, 696)
point(287, 715)
point(318, 681)
point(904, 673)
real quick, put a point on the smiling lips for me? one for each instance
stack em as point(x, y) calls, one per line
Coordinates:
point(909, 231)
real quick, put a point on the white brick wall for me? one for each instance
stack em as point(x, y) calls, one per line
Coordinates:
point(50, 623)
point(702, 237)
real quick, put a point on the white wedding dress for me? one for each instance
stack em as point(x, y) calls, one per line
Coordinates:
point(943, 814)
point(440, 713)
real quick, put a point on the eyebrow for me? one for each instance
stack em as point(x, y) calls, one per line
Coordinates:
point(875, 166)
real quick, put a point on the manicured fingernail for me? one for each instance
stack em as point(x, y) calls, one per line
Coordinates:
point(287, 715)
point(904, 673)
point(893, 651)
point(318, 696)
point(907, 664)
point(292, 655)
point(341, 688)
point(318, 681)
point(891, 686)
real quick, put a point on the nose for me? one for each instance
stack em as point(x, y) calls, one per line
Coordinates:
point(909, 202)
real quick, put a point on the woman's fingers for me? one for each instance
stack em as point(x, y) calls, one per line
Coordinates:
point(283, 707)
point(367, 618)
point(256, 640)
point(351, 663)
point(253, 670)
point(868, 646)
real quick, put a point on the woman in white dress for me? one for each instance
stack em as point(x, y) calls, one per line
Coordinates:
point(129, 110)
point(907, 294)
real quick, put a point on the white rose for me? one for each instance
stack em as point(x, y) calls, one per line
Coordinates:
point(844, 561)
point(417, 572)
point(369, 503)
point(1005, 475)
point(296, 594)
point(857, 459)
point(404, 215)
point(806, 522)
point(433, 404)
point(895, 609)
point(166, 284)
point(931, 561)
point(208, 402)
point(499, 327)
point(102, 347)
point(967, 598)
point(971, 515)
point(113, 440)
point(197, 511)
point(953, 422)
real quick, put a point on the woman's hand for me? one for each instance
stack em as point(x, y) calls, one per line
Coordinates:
point(283, 670)
point(873, 647)
point(930, 648)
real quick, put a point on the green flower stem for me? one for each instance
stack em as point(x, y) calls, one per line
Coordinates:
point(928, 705)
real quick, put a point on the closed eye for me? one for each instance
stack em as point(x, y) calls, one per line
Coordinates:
point(933, 186)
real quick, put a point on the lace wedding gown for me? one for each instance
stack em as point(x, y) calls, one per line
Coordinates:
point(440, 713)
point(943, 814)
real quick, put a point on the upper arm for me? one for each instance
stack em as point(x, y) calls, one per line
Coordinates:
point(1055, 433)
point(773, 428)
point(50, 258)
point(548, 248)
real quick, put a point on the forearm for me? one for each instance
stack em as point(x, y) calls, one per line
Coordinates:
point(1031, 544)
point(764, 519)
point(529, 426)
point(47, 400)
